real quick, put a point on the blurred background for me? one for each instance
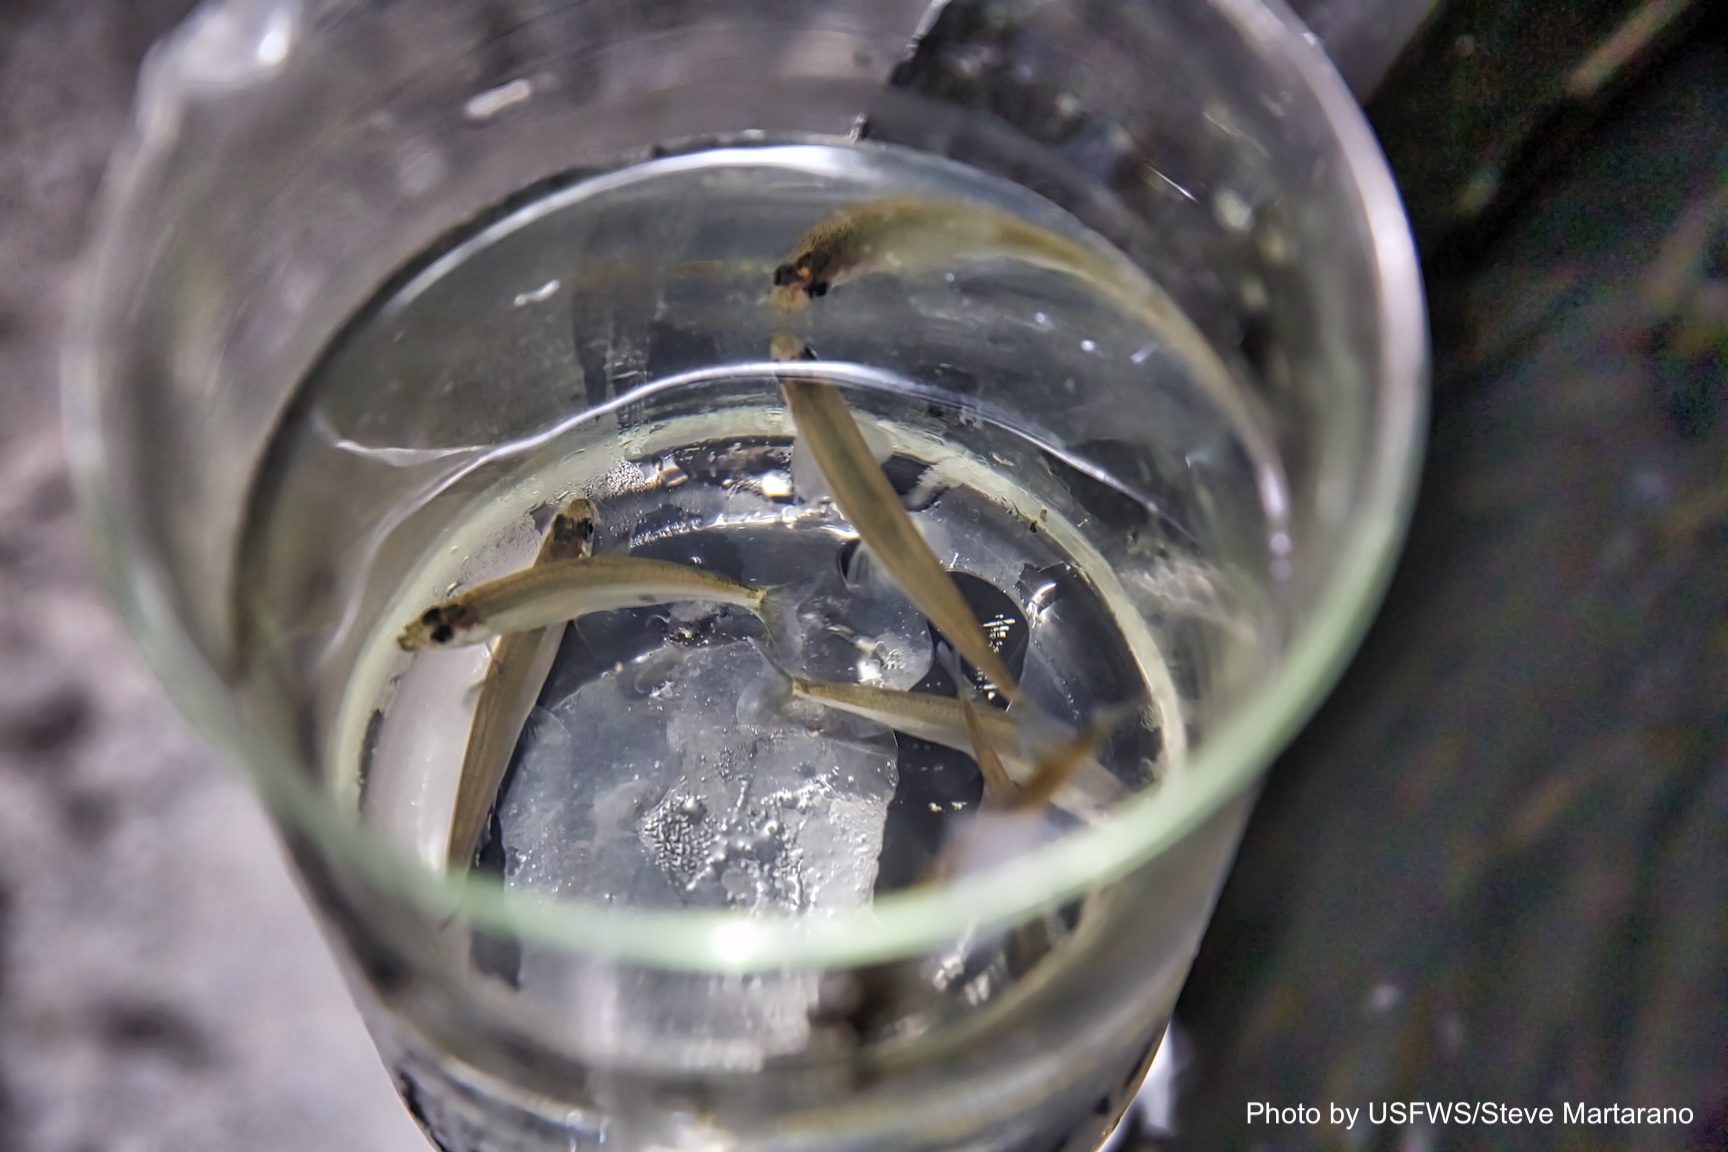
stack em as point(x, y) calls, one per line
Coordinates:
point(1495, 867)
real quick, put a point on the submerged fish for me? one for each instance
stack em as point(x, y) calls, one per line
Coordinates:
point(1078, 783)
point(908, 233)
point(1011, 822)
point(1053, 769)
point(1050, 770)
point(568, 589)
point(826, 428)
point(520, 664)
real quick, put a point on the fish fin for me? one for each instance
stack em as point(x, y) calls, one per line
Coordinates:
point(1052, 769)
point(471, 695)
point(1054, 766)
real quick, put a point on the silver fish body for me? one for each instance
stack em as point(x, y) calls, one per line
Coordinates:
point(563, 590)
point(907, 233)
point(826, 427)
point(521, 661)
point(1088, 792)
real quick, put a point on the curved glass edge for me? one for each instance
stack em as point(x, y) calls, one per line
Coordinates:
point(900, 925)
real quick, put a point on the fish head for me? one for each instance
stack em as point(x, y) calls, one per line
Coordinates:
point(446, 625)
point(807, 276)
point(572, 530)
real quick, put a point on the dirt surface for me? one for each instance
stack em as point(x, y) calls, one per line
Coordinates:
point(161, 984)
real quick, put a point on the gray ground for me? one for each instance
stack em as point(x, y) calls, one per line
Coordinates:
point(1495, 866)
point(161, 985)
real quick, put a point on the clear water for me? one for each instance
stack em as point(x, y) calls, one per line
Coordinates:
point(701, 780)
point(609, 339)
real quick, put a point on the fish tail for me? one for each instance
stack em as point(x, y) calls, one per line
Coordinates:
point(1053, 769)
point(1056, 765)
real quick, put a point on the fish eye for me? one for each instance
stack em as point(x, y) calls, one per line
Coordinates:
point(786, 274)
point(816, 289)
point(443, 634)
point(432, 616)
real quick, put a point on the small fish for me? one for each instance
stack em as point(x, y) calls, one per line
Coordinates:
point(901, 232)
point(1050, 770)
point(1003, 830)
point(906, 233)
point(1011, 819)
point(563, 590)
point(859, 486)
point(1054, 768)
point(1078, 783)
point(520, 664)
